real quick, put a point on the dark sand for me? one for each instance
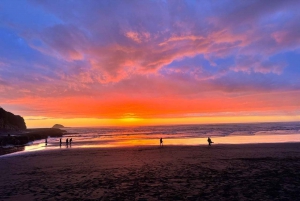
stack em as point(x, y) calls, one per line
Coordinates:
point(220, 172)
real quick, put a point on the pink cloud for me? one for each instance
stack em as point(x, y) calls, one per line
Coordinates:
point(134, 36)
point(138, 37)
point(288, 37)
point(182, 38)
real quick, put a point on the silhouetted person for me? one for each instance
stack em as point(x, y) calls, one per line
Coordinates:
point(209, 141)
point(67, 141)
point(70, 141)
point(60, 142)
point(161, 142)
point(46, 141)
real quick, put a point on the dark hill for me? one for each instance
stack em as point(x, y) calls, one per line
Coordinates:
point(9, 121)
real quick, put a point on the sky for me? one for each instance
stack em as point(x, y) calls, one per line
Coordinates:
point(101, 63)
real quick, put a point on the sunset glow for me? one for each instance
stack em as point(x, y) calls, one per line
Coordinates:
point(130, 63)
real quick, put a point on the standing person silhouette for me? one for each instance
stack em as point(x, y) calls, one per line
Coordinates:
point(161, 142)
point(46, 142)
point(67, 141)
point(209, 141)
point(70, 141)
point(60, 142)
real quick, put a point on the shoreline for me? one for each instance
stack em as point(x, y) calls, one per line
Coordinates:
point(222, 172)
point(20, 150)
point(32, 140)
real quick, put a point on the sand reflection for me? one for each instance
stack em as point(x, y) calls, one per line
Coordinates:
point(144, 140)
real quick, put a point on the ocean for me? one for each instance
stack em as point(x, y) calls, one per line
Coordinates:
point(173, 135)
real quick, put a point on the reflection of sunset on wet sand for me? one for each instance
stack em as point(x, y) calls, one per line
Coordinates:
point(217, 140)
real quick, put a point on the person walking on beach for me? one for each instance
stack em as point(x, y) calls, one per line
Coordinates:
point(161, 142)
point(46, 142)
point(70, 141)
point(209, 141)
point(60, 142)
point(67, 141)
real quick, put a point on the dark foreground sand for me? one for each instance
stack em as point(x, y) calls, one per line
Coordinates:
point(220, 172)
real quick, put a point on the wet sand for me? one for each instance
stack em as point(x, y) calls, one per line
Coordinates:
point(220, 172)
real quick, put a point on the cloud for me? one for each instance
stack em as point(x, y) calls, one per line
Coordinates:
point(149, 49)
point(288, 36)
point(110, 58)
point(37, 119)
point(138, 37)
point(248, 64)
point(64, 41)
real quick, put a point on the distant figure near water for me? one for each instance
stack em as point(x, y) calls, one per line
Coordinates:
point(60, 142)
point(70, 141)
point(161, 142)
point(209, 141)
point(67, 141)
point(46, 142)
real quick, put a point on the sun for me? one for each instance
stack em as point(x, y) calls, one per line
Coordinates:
point(131, 119)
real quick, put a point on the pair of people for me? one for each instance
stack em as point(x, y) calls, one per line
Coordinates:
point(68, 141)
point(208, 140)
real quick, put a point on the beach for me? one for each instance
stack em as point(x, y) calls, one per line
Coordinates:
point(219, 172)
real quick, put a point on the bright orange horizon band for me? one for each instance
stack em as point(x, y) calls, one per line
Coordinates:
point(93, 122)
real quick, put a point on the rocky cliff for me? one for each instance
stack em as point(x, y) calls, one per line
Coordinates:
point(58, 126)
point(9, 121)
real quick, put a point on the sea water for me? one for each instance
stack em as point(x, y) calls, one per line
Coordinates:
point(173, 135)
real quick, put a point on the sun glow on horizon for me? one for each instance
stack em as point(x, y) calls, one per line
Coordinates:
point(133, 121)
